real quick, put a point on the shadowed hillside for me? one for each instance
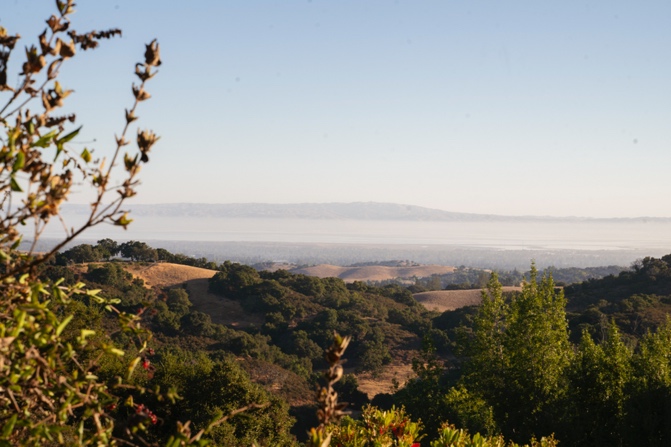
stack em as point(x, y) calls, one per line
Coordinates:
point(221, 310)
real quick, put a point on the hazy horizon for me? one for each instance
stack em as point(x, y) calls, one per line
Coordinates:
point(495, 234)
point(130, 206)
point(514, 108)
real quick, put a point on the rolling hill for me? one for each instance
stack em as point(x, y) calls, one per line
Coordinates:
point(444, 300)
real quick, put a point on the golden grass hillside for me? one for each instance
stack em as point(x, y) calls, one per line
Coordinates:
point(444, 300)
point(165, 274)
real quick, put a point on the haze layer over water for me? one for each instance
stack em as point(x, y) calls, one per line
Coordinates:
point(587, 235)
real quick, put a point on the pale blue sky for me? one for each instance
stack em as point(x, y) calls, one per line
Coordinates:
point(504, 107)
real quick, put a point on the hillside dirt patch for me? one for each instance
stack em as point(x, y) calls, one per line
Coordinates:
point(222, 310)
point(383, 382)
point(373, 272)
point(444, 300)
point(404, 348)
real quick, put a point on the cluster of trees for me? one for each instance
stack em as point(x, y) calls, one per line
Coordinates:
point(377, 318)
point(475, 278)
point(106, 249)
point(519, 374)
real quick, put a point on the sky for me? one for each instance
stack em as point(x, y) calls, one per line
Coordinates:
point(558, 108)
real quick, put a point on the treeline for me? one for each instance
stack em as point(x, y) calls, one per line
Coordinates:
point(106, 249)
point(463, 277)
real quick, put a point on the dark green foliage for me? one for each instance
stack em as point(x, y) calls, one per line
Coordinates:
point(315, 307)
point(299, 344)
point(515, 357)
point(372, 353)
point(423, 396)
point(178, 301)
point(211, 388)
point(107, 248)
point(118, 283)
point(648, 409)
point(164, 255)
point(109, 274)
point(466, 409)
point(518, 356)
point(138, 251)
point(79, 255)
point(57, 272)
point(650, 276)
point(348, 391)
point(164, 319)
point(412, 318)
point(177, 258)
point(521, 375)
point(232, 279)
point(638, 300)
point(599, 377)
point(398, 294)
point(198, 323)
point(306, 285)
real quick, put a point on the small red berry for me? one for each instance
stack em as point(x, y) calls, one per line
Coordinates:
point(146, 363)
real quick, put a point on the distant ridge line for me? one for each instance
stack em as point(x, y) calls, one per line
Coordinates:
point(339, 211)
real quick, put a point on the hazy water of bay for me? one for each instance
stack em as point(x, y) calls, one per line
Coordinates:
point(535, 235)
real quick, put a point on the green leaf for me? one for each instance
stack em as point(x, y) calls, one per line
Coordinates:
point(16, 243)
point(20, 162)
point(69, 136)
point(132, 367)
point(86, 155)
point(9, 426)
point(123, 221)
point(86, 333)
point(45, 140)
point(116, 351)
point(14, 185)
point(63, 324)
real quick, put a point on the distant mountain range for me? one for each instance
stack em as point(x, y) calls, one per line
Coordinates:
point(338, 211)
